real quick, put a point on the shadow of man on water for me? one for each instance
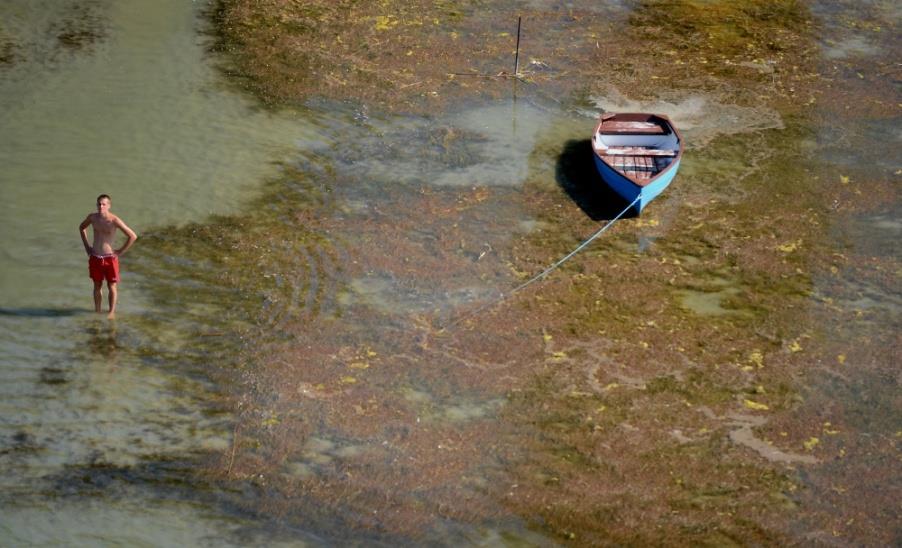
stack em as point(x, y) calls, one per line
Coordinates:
point(577, 175)
point(38, 312)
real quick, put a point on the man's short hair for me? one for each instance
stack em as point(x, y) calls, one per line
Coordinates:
point(102, 196)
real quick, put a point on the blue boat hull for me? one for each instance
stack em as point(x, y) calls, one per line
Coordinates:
point(637, 154)
point(630, 190)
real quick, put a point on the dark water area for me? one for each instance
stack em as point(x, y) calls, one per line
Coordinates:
point(303, 357)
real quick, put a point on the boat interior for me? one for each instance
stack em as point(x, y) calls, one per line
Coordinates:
point(638, 148)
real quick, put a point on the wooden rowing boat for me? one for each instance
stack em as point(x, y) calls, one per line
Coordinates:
point(637, 154)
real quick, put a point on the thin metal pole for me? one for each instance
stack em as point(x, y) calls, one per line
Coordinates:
point(517, 56)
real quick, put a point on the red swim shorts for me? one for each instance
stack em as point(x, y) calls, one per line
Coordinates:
point(104, 267)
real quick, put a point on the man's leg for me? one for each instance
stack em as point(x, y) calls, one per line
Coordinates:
point(112, 286)
point(98, 297)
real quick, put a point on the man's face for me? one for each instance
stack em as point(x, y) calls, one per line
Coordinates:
point(103, 205)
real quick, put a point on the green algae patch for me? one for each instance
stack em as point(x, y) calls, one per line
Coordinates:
point(75, 29)
point(736, 29)
point(761, 43)
point(406, 56)
point(8, 48)
point(80, 28)
point(399, 55)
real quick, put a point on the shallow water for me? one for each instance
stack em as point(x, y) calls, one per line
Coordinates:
point(135, 112)
point(117, 98)
point(107, 426)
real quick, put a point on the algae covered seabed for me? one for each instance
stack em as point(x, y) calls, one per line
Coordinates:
point(720, 370)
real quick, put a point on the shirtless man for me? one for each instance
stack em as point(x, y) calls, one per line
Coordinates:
point(103, 259)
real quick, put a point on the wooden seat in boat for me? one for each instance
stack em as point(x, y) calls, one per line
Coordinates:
point(641, 128)
point(636, 151)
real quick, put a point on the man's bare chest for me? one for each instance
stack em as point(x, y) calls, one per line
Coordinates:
point(103, 226)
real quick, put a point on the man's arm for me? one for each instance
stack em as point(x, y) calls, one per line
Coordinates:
point(128, 232)
point(83, 228)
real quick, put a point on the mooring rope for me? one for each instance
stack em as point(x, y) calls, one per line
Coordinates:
point(545, 272)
